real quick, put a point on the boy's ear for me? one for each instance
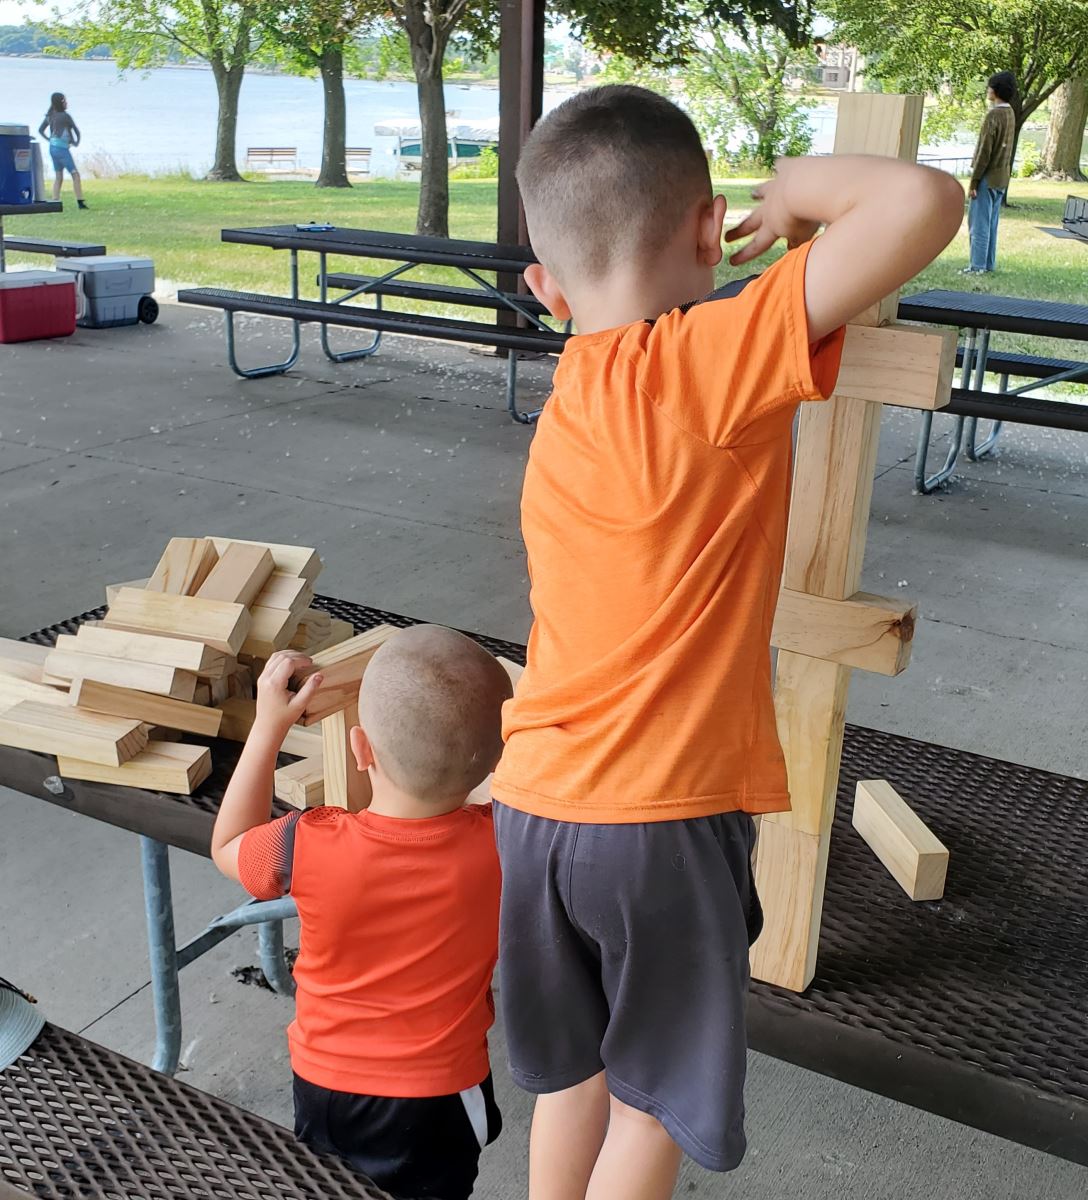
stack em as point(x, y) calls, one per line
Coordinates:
point(544, 286)
point(360, 748)
point(711, 221)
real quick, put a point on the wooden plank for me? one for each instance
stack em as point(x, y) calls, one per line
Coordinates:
point(151, 648)
point(174, 767)
point(291, 592)
point(318, 631)
point(302, 783)
point(306, 743)
point(238, 718)
point(55, 729)
point(915, 857)
point(902, 365)
point(271, 629)
point(343, 667)
point(239, 576)
point(113, 588)
point(865, 631)
point(218, 624)
point(183, 567)
point(22, 660)
point(292, 560)
point(14, 690)
point(345, 785)
point(155, 710)
point(65, 664)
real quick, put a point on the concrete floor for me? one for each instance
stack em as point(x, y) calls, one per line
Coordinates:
point(404, 471)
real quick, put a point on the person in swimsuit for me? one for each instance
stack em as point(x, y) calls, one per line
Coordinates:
point(62, 133)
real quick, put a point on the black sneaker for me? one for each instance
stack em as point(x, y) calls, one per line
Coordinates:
point(82, 203)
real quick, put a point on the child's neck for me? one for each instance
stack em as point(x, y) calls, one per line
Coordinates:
point(387, 800)
point(625, 297)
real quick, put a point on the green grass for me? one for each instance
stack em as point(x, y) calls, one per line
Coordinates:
point(176, 221)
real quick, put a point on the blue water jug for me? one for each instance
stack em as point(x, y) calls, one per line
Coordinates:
point(16, 165)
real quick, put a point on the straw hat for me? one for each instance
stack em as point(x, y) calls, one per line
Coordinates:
point(20, 1023)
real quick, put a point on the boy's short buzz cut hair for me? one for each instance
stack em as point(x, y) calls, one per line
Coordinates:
point(607, 176)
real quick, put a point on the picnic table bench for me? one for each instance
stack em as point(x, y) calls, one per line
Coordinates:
point(23, 210)
point(58, 249)
point(272, 156)
point(969, 1007)
point(357, 157)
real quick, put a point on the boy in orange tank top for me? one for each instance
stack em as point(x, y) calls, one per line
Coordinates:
point(398, 907)
point(654, 509)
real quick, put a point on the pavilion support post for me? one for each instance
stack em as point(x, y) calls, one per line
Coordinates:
point(832, 488)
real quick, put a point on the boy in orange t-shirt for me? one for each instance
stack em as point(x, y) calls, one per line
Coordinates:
point(642, 735)
point(398, 906)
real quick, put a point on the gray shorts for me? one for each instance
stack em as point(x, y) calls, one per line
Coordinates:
point(624, 948)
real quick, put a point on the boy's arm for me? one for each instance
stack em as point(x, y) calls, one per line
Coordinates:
point(885, 220)
point(248, 799)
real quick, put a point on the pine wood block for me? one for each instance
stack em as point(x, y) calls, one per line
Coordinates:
point(23, 660)
point(866, 632)
point(791, 871)
point(218, 624)
point(155, 710)
point(184, 566)
point(915, 857)
point(292, 560)
point(238, 717)
point(271, 629)
point(345, 785)
point(302, 783)
point(56, 729)
point(902, 365)
point(203, 693)
point(239, 576)
point(113, 588)
point(66, 663)
point(151, 648)
point(218, 691)
point(306, 743)
point(290, 592)
point(14, 690)
point(174, 767)
point(342, 667)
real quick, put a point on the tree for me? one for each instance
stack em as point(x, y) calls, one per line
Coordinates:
point(317, 35)
point(950, 47)
point(146, 33)
point(1065, 135)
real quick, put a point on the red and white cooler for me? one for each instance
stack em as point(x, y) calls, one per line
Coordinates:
point(36, 304)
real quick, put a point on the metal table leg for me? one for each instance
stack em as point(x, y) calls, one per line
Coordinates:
point(973, 451)
point(162, 952)
point(273, 963)
point(926, 484)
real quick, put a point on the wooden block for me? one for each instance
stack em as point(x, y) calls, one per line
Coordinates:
point(156, 733)
point(55, 729)
point(241, 683)
point(238, 718)
point(791, 871)
point(174, 767)
point(865, 631)
point(513, 669)
point(302, 783)
point(291, 560)
point(149, 648)
point(218, 691)
point(271, 629)
point(155, 710)
point(113, 588)
point(318, 631)
point(65, 664)
point(184, 566)
point(306, 743)
point(218, 624)
point(343, 667)
point(239, 576)
point(902, 365)
point(203, 693)
point(22, 660)
point(915, 857)
point(14, 690)
point(290, 592)
point(345, 785)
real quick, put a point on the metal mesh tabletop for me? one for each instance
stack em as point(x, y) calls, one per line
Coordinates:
point(1003, 314)
point(77, 1120)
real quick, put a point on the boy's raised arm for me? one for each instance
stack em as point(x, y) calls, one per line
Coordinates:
point(248, 798)
point(885, 220)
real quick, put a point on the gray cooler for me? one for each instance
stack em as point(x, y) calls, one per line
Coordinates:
point(115, 289)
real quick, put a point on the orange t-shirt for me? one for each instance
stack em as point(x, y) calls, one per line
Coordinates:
point(398, 941)
point(654, 515)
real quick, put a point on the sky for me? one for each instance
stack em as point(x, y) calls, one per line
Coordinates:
point(13, 13)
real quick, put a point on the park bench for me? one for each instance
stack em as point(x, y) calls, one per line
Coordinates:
point(272, 156)
point(58, 249)
point(357, 159)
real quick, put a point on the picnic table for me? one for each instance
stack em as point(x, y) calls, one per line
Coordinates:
point(527, 332)
point(979, 315)
point(23, 210)
point(970, 1007)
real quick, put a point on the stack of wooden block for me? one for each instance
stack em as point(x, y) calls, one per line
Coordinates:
point(175, 654)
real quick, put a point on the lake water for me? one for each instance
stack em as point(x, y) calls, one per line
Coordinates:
point(164, 119)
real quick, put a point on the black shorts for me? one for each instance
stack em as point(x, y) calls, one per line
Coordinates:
point(624, 948)
point(418, 1149)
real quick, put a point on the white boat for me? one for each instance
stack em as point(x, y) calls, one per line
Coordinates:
point(466, 140)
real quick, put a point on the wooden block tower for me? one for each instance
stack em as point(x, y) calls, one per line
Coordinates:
point(819, 627)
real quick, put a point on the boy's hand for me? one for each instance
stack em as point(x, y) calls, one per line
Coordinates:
point(771, 219)
point(278, 708)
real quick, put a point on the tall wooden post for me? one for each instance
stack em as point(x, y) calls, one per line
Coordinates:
point(832, 489)
point(521, 101)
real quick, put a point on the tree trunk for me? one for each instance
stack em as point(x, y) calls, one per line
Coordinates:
point(228, 83)
point(333, 167)
point(1065, 136)
point(433, 218)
